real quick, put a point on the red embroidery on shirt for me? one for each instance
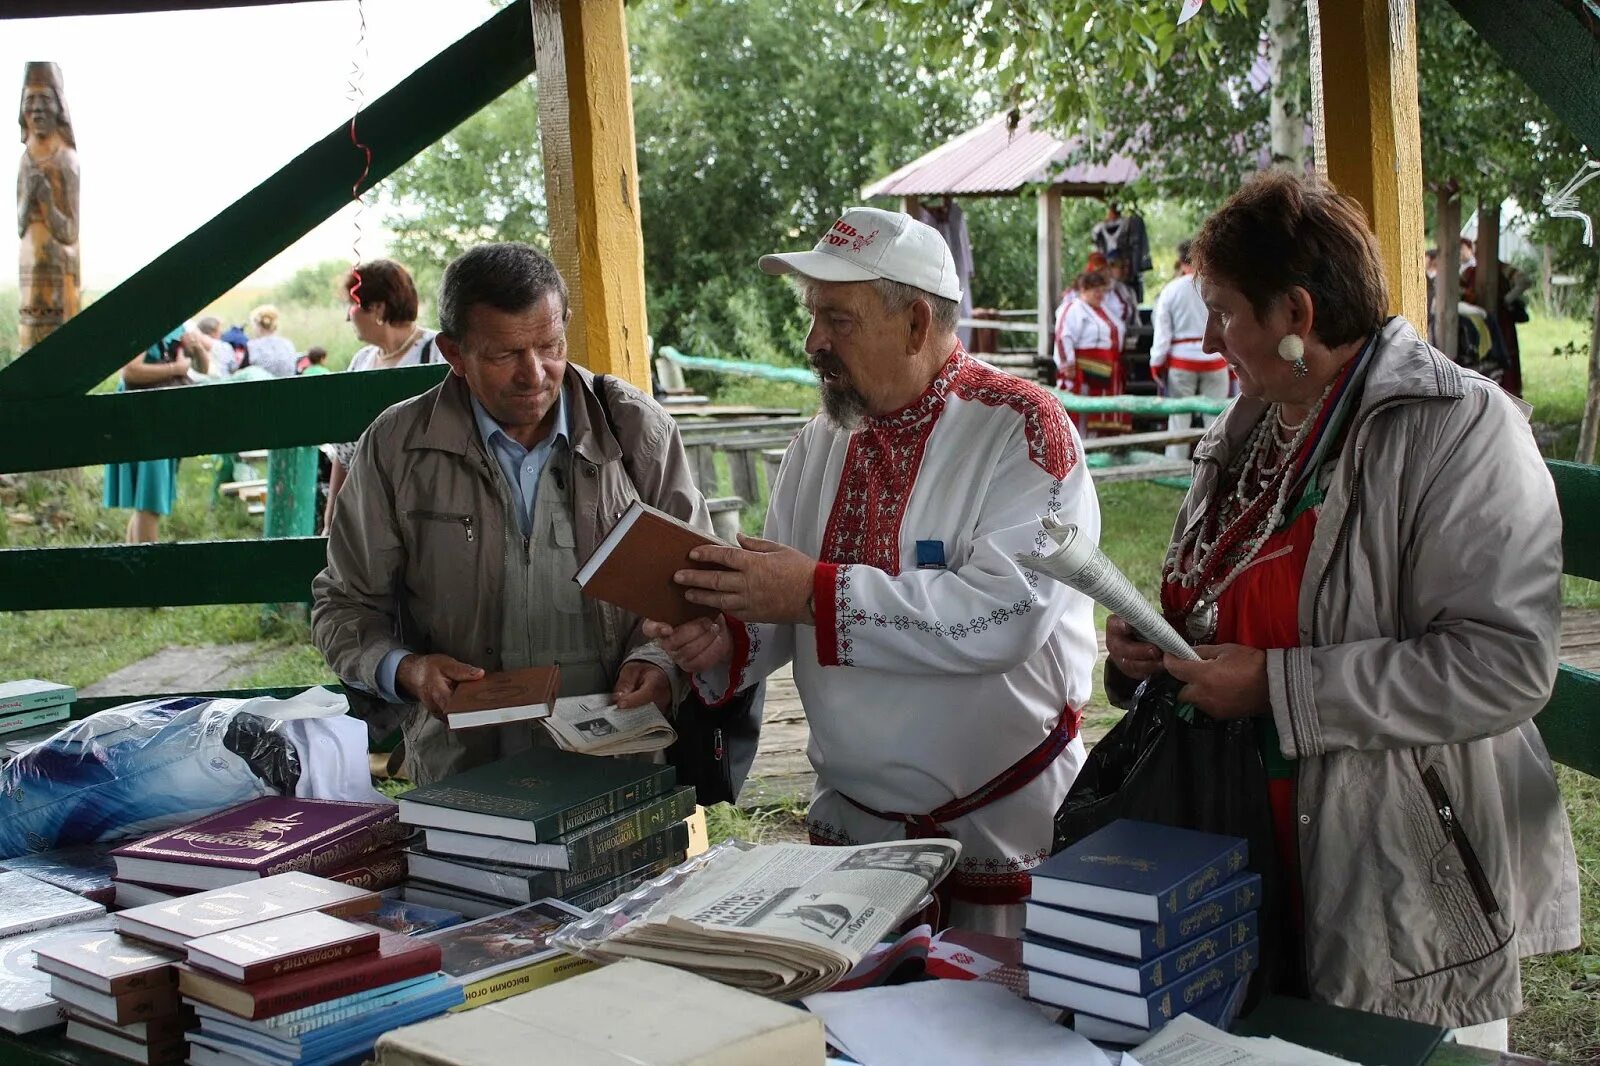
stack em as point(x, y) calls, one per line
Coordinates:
point(1043, 420)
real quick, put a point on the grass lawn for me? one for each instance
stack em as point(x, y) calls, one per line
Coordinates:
point(1562, 1020)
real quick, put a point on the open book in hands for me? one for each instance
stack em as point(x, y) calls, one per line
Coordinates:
point(594, 725)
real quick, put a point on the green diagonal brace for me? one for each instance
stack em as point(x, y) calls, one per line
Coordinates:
point(437, 97)
point(1554, 46)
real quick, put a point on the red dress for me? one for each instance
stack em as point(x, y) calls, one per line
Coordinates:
point(1099, 373)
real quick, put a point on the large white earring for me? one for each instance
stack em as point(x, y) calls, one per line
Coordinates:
point(1292, 349)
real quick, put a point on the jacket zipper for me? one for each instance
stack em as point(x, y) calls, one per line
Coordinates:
point(1458, 836)
point(465, 520)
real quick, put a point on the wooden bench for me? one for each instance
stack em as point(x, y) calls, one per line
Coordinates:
point(253, 494)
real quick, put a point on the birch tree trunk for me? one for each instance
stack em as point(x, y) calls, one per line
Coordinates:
point(1286, 123)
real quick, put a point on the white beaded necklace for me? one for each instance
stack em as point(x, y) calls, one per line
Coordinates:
point(1263, 460)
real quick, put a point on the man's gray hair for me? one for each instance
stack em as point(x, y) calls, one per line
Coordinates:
point(210, 325)
point(508, 277)
point(896, 297)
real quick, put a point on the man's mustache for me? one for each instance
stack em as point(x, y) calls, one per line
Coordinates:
point(826, 364)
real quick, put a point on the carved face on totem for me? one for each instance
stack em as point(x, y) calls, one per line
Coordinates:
point(41, 112)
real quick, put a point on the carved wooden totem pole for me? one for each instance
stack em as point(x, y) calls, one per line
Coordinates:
point(47, 207)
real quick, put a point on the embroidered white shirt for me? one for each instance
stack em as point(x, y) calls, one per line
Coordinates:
point(1180, 327)
point(922, 685)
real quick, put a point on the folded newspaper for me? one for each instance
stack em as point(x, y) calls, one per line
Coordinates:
point(593, 725)
point(781, 920)
point(1079, 564)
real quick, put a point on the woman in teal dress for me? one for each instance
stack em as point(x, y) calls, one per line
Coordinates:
point(149, 486)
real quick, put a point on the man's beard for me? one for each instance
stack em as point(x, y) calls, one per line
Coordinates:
point(843, 405)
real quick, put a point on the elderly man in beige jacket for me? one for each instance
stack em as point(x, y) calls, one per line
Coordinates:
point(468, 509)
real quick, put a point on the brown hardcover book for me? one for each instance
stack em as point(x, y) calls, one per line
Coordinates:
point(105, 962)
point(507, 696)
point(176, 922)
point(280, 946)
point(398, 958)
point(140, 1005)
point(633, 566)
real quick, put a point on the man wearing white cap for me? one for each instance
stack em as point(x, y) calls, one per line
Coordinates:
point(942, 681)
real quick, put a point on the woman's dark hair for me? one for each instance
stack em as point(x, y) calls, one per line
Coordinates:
point(508, 277)
point(316, 354)
point(387, 282)
point(1092, 279)
point(1280, 231)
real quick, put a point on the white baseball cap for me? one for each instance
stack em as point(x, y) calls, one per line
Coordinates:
point(867, 244)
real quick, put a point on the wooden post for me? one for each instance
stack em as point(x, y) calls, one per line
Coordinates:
point(1368, 134)
point(591, 180)
point(1049, 269)
point(1487, 280)
point(291, 492)
point(1589, 429)
point(1447, 280)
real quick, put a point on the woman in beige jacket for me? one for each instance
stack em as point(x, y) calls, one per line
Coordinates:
point(1369, 562)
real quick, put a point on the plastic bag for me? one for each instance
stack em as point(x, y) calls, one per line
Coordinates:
point(587, 937)
point(1178, 767)
point(153, 764)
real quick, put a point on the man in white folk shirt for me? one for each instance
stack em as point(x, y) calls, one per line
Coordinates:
point(943, 683)
point(1178, 349)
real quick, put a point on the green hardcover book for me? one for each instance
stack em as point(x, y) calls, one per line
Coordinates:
point(520, 884)
point(15, 723)
point(582, 847)
point(17, 697)
point(1370, 1039)
point(534, 795)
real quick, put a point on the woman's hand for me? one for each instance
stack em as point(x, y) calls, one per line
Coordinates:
point(180, 366)
point(1229, 681)
point(1128, 653)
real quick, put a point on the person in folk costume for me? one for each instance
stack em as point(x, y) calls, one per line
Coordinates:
point(942, 681)
point(1369, 565)
point(1178, 359)
point(1089, 356)
point(1069, 296)
point(1121, 302)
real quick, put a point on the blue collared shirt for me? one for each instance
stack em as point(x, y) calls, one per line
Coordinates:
point(523, 467)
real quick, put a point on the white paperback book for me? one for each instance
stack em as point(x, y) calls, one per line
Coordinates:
point(594, 725)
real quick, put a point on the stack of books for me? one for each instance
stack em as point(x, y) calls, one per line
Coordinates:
point(1138, 923)
point(545, 824)
point(358, 844)
point(33, 913)
point(120, 996)
point(276, 975)
point(31, 703)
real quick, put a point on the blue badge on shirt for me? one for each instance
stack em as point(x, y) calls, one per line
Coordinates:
point(930, 555)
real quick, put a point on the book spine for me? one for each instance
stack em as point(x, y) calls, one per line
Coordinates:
point(589, 848)
point(1177, 997)
point(599, 895)
point(333, 854)
point(626, 860)
point(1200, 918)
point(21, 720)
point(304, 960)
point(375, 874)
point(38, 701)
point(617, 799)
point(1198, 952)
point(379, 971)
point(1211, 876)
point(515, 982)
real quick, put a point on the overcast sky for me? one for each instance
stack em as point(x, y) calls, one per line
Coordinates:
point(178, 114)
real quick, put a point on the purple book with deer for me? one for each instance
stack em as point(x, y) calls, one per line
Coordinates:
point(266, 836)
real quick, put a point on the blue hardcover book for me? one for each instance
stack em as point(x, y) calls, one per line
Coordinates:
point(352, 1040)
point(1219, 1010)
point(1146, 1009)
point(1138, 870)
point(1146, 940)
point(1130, 975)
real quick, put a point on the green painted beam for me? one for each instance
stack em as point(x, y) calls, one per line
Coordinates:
point(1570, 722)
point(1554, 47)
point(85, 706)
point(434, 99)
point(1578, 487)
point(201, 420)
point(160, 575)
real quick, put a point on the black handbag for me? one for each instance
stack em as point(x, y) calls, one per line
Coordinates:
point(1172, 765)
point(716, 745)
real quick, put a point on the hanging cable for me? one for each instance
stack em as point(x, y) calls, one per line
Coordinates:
point(355, 95)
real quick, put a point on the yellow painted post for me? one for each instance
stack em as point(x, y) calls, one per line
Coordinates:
point(591, 180)
point(1368, 131)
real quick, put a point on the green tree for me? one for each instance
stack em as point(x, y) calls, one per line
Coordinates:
point(314, 286)
point(756, 121)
